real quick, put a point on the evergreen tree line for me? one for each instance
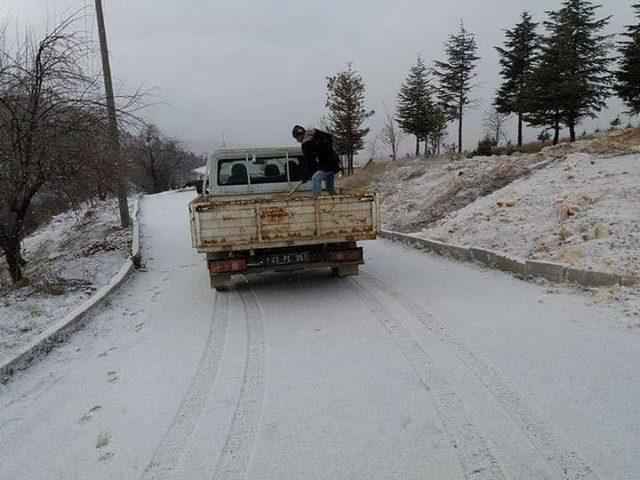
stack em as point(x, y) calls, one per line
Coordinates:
point(552, 79)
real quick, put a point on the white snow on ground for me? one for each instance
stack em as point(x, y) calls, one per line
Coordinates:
point(415, 192)
point(419, 368)
point(582, 210)
point(69, 258)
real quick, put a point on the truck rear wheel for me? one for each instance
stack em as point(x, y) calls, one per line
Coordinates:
point(220, 283)
point(345, 271)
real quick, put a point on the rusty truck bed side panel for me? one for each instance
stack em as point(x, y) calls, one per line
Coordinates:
point(244, 223)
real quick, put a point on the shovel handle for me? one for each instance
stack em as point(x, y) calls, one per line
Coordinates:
point(295, 189)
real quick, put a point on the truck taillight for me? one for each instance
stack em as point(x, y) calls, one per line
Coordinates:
point(228, 266)
point(352, 255)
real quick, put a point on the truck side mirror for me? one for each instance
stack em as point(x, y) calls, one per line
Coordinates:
point(200, 186)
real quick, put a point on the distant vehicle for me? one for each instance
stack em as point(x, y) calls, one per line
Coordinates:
point(253, 215)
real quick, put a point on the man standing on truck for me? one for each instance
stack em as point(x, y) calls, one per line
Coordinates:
point(320, 158)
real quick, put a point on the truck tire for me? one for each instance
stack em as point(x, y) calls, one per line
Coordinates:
point(345, 271)
point(220, 283)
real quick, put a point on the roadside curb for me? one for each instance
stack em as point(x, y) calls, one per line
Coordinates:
point(555, 272)
point(76, 319)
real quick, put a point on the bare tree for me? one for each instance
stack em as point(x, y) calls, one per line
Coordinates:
point(391, 135)
point(50, 112)
point(494, 122)
point(157, 159)
point(373, 148)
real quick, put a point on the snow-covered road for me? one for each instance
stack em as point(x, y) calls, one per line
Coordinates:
point(418, 368)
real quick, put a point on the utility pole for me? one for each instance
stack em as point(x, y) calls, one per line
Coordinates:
point(114, 140)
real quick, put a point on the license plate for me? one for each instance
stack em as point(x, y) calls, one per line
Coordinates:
point(286, 259)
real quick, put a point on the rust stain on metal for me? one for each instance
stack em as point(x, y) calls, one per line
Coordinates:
point(276, 214)
point(275, 223)
point(283, 235)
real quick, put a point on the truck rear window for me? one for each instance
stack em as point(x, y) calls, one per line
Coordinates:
point(259, 170)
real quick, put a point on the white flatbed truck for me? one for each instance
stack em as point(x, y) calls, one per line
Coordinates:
point(249, 217)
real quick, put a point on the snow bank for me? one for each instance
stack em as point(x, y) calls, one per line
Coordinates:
point(69, 259)
point(582, 210)
point(573, 203)
point(416, 192)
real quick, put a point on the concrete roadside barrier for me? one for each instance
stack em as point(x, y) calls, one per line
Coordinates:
point(595, 279)
point(507, 263)
point(549, 270)
point(553, 271)
point(483, 256)
point(457, 252)
point(60, 331)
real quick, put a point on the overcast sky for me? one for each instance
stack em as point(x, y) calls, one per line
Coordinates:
point(250, 69)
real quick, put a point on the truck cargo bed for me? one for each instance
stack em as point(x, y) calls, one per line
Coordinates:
point(256, 222)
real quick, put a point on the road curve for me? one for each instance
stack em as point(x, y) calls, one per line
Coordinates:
point(419, 368)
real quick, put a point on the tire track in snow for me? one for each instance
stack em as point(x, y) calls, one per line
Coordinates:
point(171, 448)
point(474, 455)
point(238, 449)
point(564, 461)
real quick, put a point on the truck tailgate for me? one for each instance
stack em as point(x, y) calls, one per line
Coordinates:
point(245, 223)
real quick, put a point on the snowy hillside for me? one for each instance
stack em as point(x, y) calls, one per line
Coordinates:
point(68, 259)
point(574, 203)
point(415, 192)
point(582, 210)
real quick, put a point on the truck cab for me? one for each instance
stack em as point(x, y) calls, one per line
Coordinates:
point(254, 171)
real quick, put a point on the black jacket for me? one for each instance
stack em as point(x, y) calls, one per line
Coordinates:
point(319, 153)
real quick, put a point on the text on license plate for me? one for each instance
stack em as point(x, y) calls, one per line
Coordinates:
point(287, 258)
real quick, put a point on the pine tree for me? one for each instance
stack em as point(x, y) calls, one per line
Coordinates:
point(415, 103)
point(517, 60)
point(628, 76)
point(437, 128)
point(456, 74)
point(347, 113)
point(543, 98)
point(574, 65)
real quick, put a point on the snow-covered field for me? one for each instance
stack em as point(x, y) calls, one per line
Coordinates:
point(415, 192)
point(69, 258)
point(579, 205)
point(582, 210)
point(419, 368)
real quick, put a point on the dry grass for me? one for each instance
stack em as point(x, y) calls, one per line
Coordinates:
point(363, 178)
point(532, 147)
point(619, 141)
point(50, 288)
